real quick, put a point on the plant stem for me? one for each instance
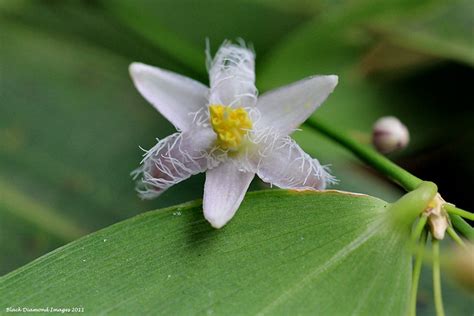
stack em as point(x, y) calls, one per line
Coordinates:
point(408, 181)
point(438, 297)
point(416, 272)
point(452, 233)
point(461, 226)
point(419, 228)
point(405, 179)
point(454, 210)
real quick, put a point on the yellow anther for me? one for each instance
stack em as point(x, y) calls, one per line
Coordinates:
point(230, 125)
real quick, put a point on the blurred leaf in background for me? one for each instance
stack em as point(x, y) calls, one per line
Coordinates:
point(71, 121)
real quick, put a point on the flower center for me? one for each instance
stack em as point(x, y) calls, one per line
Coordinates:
point(230, 125)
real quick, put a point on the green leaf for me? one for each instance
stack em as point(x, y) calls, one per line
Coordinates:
point(71, 123)
point(86, 23)
point(445, 32)
point(180, 28)
point(329, 253)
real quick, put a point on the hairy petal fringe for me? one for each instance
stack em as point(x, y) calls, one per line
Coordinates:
point(232, 75)
point(172, 160)
point(282, 162)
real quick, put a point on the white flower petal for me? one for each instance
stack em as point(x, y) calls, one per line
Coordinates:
point(283, 163)
point(285, 108)
point(232, 76)
point(174, 159)
point(173, 95)
point(223, 192)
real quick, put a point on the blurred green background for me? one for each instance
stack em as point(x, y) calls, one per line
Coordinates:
point(71, 120)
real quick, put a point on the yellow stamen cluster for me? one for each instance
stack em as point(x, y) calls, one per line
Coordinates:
point(230, 125)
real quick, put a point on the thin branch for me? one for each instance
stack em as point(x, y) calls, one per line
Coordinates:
point(452, 233)
point(462, 227)
point(408, 181)
point(417, 231)
point(438, 297)
point(399, 175)
point(451, 209)
point(416, 272)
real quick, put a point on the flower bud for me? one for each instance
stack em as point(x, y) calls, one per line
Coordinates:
point(389, 134)
point(438, 219)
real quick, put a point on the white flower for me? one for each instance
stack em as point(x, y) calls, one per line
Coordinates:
point(229, 133)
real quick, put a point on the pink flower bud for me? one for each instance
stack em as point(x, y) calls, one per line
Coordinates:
point(389, 135)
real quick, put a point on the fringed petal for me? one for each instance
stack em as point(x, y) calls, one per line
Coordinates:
point(283, 163)
point(232, 76)
point(174, 159)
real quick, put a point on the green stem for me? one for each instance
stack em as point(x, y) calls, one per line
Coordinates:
point(408, 181)
point(462, 227)
point(409, 207)
point(452, 233)
point(419, 228)
point(416, 272)
point(454, 210)
point(438, 297)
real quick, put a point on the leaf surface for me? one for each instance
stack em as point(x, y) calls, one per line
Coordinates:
point(328, 253)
